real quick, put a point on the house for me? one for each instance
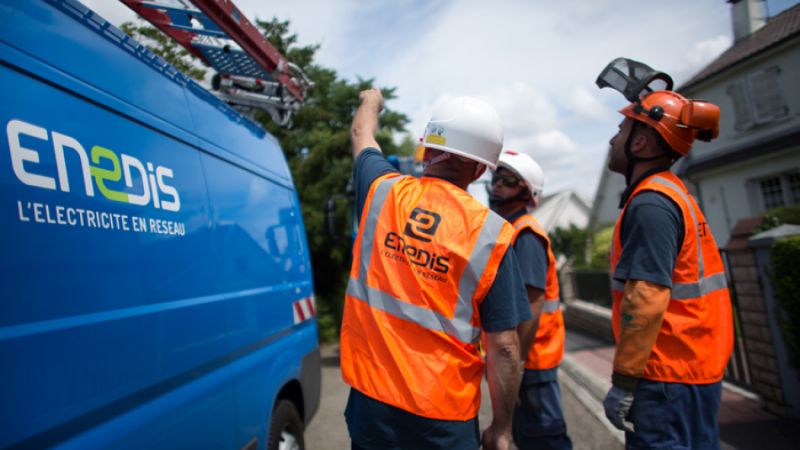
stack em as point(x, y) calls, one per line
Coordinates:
point(561, 210)
point(605, 207)
point(754, 164)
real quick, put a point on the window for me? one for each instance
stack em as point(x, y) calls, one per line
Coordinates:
point(757, 99)
point(779, 190)
point(741, 105)
point(771, 192)
point(794, 187)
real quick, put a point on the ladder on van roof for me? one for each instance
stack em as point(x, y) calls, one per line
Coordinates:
point(251, 73)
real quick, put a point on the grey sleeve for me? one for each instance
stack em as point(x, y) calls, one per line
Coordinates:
point(532, 258)
point(506, 304)
point(651, 235)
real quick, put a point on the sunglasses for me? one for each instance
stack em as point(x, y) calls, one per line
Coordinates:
point(508, 180)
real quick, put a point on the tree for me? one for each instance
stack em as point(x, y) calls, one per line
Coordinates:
point(163, 46)
point(318, 149)
point(571, 243)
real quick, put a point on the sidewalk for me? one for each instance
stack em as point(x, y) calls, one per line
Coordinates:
point(744, 424)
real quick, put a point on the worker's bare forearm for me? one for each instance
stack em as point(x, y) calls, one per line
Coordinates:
point(527, 330)
point(503, 375)
point(365, 121)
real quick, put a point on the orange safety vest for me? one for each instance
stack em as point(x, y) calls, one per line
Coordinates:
point(696, 337)
point(425, 257)
point(548, 345)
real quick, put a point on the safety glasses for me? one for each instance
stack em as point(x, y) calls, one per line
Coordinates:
point(507, 179)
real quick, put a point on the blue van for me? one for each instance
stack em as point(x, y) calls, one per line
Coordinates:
point(156, 283)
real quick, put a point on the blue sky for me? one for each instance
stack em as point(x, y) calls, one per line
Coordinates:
point(535, 61)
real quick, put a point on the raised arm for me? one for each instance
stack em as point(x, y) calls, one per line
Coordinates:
point(365, 121)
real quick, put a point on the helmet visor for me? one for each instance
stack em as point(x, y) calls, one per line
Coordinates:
point(633, 79)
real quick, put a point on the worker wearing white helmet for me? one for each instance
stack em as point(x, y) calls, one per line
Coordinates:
point(538, 417)
point(432, 269)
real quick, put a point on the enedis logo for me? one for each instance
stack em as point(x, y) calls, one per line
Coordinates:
point(422, 225)
point(152, 188)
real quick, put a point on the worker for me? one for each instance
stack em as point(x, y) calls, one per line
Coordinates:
point(432, 268)
point(671, 310)
point(516, 189)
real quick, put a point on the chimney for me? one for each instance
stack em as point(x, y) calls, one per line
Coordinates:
point(747, 17)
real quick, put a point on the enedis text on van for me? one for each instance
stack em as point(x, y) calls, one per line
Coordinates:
point(146, 184)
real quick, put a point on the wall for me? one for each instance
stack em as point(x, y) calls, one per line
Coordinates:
point(729, 194)
point(787, 57)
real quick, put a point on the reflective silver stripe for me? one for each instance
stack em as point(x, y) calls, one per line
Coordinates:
point(686, 291)
point(700, 263)
point(551, 306)
point(476, 265)
point(683, 291)
point(427, 318)
point(368, 233)
point(460, 326)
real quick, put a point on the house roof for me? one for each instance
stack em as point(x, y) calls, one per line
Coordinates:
point(688, 167)
point(553, 206)
point(778, 29)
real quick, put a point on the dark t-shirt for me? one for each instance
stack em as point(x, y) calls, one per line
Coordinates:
point(374, 424)
point(652, 235)
point(531, 251)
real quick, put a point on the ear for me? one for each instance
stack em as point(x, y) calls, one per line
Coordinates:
point(640, 144)
point(480, 170)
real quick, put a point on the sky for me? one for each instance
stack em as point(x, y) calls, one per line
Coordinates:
point(535, 61)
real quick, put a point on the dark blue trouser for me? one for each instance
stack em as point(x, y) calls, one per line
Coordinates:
point(538, 418)
point(674, 416)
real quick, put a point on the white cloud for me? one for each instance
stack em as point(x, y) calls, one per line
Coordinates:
point(706, 51)
point(536, 62)
point(587, 105)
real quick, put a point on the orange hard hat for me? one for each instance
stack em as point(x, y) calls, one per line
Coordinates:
point(677, 119)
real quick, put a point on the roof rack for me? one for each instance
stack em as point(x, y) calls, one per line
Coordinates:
point(251, 73)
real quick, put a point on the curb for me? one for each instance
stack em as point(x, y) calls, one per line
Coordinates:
point(589, 390)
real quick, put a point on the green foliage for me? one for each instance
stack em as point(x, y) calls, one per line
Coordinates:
point(600, 247)
point(318, 149)
point(163, 46)
point(571, 243)
point(776, 217)
point(786, 280)
point(779, 216)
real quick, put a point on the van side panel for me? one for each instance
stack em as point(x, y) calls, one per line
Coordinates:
point(109, 59)
point(254, 250)
point(113, 297)
point(151, 275)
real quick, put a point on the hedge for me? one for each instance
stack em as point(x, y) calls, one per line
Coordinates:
point(786, 280)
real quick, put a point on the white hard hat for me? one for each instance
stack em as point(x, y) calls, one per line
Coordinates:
point(525, 167)
point(467, 127)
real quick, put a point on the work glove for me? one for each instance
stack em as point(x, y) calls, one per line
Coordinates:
point(618, 404)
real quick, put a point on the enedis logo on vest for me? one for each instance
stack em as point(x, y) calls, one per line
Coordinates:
point(421, 226)
point(145, 183)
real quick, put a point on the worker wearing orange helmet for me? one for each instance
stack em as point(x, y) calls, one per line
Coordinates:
point(671, 310)
point(432, 269)
point(538, 417)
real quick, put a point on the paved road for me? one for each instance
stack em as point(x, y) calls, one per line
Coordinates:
point(328, 430)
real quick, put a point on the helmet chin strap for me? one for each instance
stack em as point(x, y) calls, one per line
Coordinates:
point(436, 159)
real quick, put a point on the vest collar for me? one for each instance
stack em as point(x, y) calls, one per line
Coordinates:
point(632, 187)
